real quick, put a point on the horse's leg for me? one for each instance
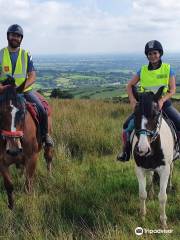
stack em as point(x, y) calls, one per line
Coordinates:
point(164, 173)
point(8, 186)
point(48, 155)
point(142, 190)
point(151, 185)
point(30, 167)
point(48, 151)
point(170, 177)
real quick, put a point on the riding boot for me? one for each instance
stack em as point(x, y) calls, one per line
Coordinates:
point(126, 153)
point(46, 138)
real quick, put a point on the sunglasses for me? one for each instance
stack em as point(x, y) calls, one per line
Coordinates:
point(153, 53)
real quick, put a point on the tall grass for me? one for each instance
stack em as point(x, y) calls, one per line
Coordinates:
point(89, 195)
point(88, 126)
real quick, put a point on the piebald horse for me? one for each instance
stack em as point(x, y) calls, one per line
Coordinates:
point(20, 142)
point(152, 148)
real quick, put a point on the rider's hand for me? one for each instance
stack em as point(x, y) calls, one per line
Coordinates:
point(2, 88)
point(160, 103)
point(133, 103)
point(19, 89)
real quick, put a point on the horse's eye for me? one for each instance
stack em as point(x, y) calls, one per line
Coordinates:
point(155, 115)
point(9, 108)
point(155, 105)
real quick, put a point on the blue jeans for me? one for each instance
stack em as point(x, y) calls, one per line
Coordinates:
point(31, 97)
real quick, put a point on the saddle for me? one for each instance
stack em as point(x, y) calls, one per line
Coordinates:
point(32, 109)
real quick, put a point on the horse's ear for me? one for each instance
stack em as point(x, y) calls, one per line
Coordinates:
point(159, 93)
point(135, 93)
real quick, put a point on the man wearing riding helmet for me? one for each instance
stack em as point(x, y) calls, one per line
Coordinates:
point(18, 63)
point(151, 77)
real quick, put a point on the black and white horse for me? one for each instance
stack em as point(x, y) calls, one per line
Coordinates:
point(152, 148)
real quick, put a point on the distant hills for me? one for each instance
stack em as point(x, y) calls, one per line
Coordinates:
point(74, 72)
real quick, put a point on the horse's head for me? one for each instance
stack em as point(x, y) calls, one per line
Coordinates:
point(147, 120)
point(12, 112)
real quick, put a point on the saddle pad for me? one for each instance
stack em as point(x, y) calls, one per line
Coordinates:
point(32, 109)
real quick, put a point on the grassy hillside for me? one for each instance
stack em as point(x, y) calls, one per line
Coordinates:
point(99, 92)
point(89, 195)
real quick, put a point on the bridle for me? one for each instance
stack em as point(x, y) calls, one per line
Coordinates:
point(11, 134)
point(153, 134)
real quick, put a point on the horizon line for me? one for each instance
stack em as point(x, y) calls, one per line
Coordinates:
point(98, 53)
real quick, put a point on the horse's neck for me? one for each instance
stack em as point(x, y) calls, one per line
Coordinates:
point(165, 130)
point(167, 140)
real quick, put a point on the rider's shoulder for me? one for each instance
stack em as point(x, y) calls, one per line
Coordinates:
point(2, 49)
point(30, 58)
point(166, 64)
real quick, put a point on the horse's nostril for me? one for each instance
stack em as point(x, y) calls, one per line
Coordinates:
point(149, 151)
point(139, 150)
point(20, 150)
point(14, 153)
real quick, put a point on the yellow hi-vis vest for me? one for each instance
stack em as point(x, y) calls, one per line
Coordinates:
point(152, 80)
point(20, 73)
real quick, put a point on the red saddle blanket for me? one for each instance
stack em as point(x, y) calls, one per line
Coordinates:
point(33, 110)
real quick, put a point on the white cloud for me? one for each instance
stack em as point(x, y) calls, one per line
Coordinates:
point(64, 27)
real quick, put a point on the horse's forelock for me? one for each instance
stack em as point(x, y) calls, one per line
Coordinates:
point(10, 95)
point(146, 104)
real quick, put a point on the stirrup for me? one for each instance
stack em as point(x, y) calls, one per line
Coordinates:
point(48, 141)
point(123, 157)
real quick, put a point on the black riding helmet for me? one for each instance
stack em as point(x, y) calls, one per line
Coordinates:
point(153, 45)
point(15, 28)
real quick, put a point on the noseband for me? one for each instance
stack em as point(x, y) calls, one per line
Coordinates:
point(153, 134)
point(11, 134)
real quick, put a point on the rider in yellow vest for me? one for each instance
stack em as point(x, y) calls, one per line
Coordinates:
point(151, 77)
point(17, 63)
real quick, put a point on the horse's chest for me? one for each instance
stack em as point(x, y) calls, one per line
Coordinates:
point(152, 161)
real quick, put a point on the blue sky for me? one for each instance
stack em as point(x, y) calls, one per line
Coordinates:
point(92, 26)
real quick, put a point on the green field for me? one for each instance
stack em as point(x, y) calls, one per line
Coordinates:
point(98, 92)
point(89, 195)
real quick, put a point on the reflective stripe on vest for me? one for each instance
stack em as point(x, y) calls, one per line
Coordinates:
point(152, 80)
point(20, 72)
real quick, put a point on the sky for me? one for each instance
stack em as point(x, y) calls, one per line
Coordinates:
point(92, 26)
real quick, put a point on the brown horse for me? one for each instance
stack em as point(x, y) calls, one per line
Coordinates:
point(20, 142)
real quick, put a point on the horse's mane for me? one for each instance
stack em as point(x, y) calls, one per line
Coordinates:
point(145, 103)
point(11, 94)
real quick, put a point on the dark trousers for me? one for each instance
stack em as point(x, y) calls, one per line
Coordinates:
point(174, 116)
point(31, 97)
point(170, 111)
